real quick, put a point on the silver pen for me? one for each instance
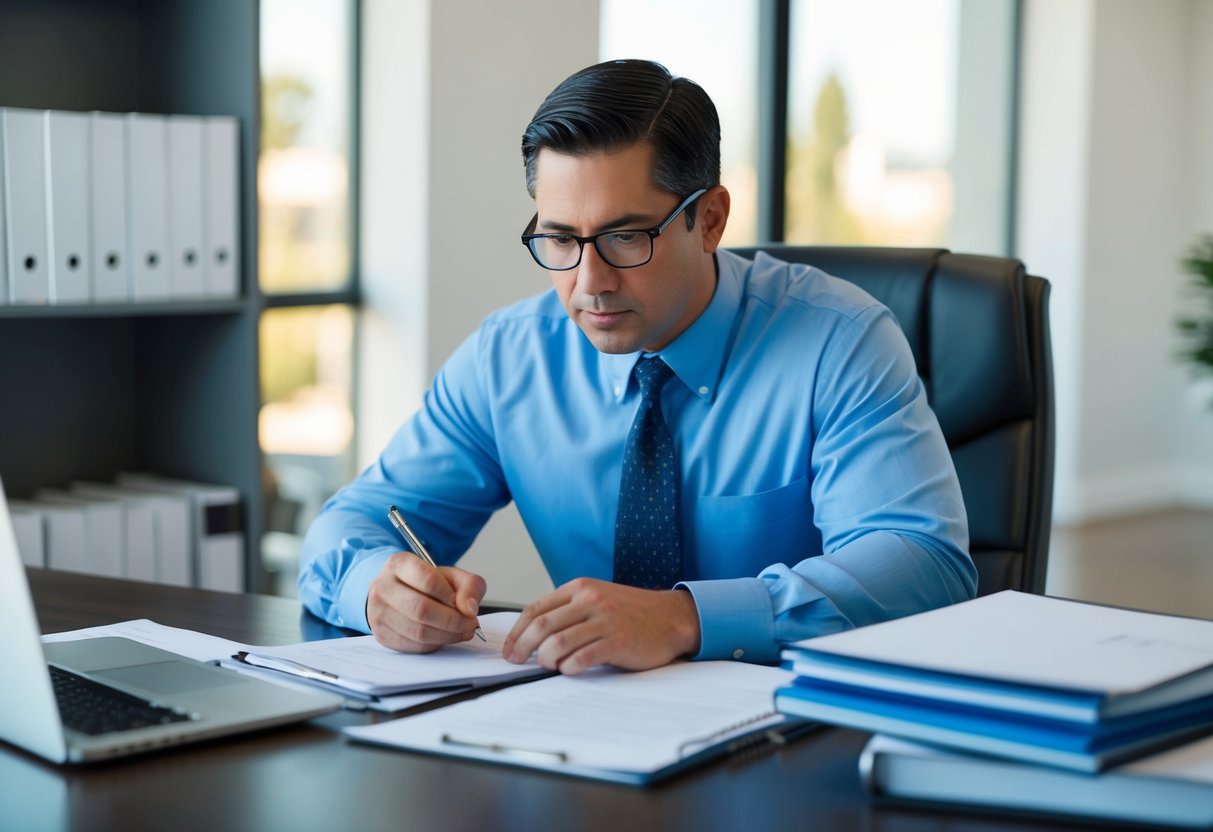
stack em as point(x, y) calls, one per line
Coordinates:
point(417, 546)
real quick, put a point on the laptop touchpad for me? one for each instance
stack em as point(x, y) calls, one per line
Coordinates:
point(171, 677)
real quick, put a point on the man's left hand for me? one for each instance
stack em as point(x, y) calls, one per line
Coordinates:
point(587, 622)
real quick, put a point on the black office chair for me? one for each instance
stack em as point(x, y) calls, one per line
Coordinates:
point(979, 331)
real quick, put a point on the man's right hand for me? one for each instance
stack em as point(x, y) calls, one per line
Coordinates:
point(414, 608)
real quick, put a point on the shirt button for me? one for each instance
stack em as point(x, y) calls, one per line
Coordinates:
point(703, 391)
point(738, 653)
point(618, 392)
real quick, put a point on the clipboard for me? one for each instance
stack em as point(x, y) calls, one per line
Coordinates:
point(630, 728)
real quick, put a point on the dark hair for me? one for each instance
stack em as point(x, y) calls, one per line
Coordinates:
point(618, 103)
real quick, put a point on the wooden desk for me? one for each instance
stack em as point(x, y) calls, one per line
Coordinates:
point(309, 777)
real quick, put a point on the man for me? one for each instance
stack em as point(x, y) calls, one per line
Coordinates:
point(712, 456)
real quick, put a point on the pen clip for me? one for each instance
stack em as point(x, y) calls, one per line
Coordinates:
point(501, 748)
point(406, 531)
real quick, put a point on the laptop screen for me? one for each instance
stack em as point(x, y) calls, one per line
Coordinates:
point(29, 717)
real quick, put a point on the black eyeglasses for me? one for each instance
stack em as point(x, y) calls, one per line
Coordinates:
point(623, 249)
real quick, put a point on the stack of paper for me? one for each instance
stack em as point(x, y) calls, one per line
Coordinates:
point(367, 674)
point(1037, 680)
point(361, 667)
point(1024, 676)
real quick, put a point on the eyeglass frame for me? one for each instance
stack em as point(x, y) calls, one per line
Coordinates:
point(653, 233)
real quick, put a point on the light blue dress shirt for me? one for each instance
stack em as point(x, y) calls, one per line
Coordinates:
point(817, 491)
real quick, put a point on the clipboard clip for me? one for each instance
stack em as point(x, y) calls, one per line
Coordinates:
point(510, 750)
point(287, 666)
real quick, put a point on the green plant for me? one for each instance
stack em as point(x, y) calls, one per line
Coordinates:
point(1197, 329)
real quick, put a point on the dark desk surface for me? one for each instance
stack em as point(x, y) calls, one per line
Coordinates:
point(309, 777)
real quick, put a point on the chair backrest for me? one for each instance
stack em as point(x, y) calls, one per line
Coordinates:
point(979, 330)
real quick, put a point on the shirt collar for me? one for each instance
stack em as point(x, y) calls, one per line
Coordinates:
point(696, 356)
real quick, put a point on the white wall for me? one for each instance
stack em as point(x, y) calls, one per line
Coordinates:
point(448, 89)
point(1195, 436)
point(1114, 116)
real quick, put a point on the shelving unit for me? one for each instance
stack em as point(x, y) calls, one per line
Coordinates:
point(167, 387)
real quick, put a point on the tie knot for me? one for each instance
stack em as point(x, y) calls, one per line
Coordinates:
point(651, 375)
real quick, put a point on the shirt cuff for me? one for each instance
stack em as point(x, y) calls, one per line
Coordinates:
point(351, 598)
point(736, 620)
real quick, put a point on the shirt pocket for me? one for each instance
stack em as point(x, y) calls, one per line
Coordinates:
point(739, 535)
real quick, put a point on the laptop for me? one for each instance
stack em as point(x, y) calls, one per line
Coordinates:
point(94, 699)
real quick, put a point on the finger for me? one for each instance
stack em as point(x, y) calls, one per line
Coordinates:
point(543, 626)
point(592, 653)
point(469, 589)
point(398, 632)
point(413, 571)
point(524, 620)
point(414, 603)
point(574, 647)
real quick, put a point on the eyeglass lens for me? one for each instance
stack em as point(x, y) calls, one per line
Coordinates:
point(623, 249)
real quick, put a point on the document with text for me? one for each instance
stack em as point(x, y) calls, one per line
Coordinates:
point(606, 724)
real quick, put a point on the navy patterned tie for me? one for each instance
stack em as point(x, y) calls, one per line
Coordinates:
point(648, 534)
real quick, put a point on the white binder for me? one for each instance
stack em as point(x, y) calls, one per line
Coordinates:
point(222, 200)
point(173, 543)
point(147, 190)
point(187, 275)
point(3, 225)
point(67, 214)
point(104, 527)
point(65, 537)
point(108, 203)
point(24, 146)
point(218, 530)
point(139, 532)
point(29, 528)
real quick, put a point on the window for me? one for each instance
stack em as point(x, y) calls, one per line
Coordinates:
point(716, 47)
point(899, 116)
point(306, 190)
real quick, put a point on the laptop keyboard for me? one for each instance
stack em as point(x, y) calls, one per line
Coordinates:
point(92, 708)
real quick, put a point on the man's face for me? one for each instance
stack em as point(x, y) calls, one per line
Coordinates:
point(623, 310)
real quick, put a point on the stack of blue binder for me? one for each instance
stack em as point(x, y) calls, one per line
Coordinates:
point(1051, 687)
point(1033, 678)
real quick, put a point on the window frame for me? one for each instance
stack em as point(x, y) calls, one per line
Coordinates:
point(774, 52)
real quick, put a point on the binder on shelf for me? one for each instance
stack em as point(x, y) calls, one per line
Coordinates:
point(104, 543)
point(1028, 677)
point(222, 199)
point(24, 150)
point(187, 273)
point(1170, 789)
point(66, 537)
point(4, 283)
point(29, 528)
point(173, 543)
point(67, 209)
point(108, 203)
point(216, 528)
point(147, 190)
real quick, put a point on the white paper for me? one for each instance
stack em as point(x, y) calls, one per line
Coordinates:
point(363, 664)
point(198, 646)
point(604, 720)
